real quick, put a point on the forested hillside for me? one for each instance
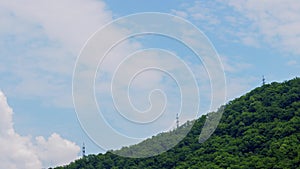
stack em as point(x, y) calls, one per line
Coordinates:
point(258, 130)
point(157, 144)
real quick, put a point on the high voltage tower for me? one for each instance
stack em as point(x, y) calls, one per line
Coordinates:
point(263, 80)
point(177, 120)
point(83, 150)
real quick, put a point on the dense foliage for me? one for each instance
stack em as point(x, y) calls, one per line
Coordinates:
point(258, 130)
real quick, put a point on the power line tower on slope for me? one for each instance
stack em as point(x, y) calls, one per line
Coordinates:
point(83, 150)
point(177, 120)
point(263, 80)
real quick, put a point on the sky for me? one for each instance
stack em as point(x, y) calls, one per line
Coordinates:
point(42, 43)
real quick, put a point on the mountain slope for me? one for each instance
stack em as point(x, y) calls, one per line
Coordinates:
point(258, 130)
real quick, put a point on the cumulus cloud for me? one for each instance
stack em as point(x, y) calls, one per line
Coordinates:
point(18, 152)
point(69, 22)
point(39, 44)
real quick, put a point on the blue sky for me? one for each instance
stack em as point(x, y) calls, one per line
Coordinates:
point(40, 41)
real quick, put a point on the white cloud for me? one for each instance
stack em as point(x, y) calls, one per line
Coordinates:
point(18, 152)
point(252, 22)
point(179, 13)
point(276, 21)
point(56, 150)
point(41, 40)
point(292, 63)
point(70, 22)
point(234, 65)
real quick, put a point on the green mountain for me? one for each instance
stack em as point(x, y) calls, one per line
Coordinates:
point(258, 130)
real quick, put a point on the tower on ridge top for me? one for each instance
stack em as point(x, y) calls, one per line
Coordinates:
point(263, 80)
point(83, 150)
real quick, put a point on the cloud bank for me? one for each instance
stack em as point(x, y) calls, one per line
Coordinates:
point(18, 152)
point(39, 44)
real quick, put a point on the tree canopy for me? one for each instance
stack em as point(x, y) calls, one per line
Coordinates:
point(261, 129)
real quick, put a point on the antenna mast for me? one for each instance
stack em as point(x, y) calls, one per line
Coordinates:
point(177, 120)
point(83, 150)
point(263, 80)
